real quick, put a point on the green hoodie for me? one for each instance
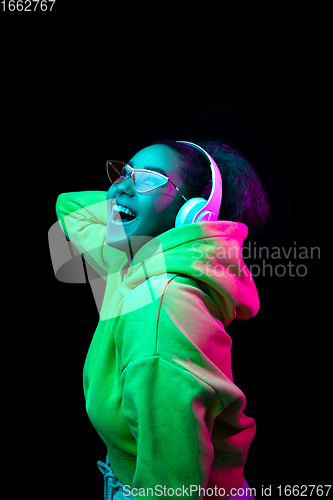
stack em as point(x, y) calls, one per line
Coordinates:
point(157, 378)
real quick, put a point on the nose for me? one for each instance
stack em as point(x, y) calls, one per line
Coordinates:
point(125, 186)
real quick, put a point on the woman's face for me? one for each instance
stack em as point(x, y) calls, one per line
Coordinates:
point(155, 211)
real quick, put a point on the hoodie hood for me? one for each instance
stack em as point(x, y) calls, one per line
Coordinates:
point(209, 252)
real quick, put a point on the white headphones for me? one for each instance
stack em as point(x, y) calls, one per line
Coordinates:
point(199, 209)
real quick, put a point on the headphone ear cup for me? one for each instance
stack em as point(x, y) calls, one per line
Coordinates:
point(188, 211)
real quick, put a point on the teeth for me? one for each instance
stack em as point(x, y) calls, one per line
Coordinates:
point(120, 208)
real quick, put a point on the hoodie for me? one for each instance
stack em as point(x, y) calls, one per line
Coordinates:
point(157, 378)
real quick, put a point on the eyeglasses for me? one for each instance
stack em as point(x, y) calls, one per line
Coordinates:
point(143, 180)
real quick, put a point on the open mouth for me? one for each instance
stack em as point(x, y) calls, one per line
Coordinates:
point(122, 215)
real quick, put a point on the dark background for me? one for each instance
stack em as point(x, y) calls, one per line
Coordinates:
point(75, 100)
point(278, 358)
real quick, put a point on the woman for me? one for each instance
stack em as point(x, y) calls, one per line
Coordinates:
point(157, 377)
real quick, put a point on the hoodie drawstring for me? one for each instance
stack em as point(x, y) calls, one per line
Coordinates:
point(111, 482)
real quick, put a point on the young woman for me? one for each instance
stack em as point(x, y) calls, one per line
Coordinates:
point(157, 377)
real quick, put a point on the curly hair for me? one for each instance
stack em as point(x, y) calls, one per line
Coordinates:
point(244, 198)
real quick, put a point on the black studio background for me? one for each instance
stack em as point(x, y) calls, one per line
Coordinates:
point(76, 104)
point(277, 360)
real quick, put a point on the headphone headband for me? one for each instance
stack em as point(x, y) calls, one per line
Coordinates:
point(199, 209)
